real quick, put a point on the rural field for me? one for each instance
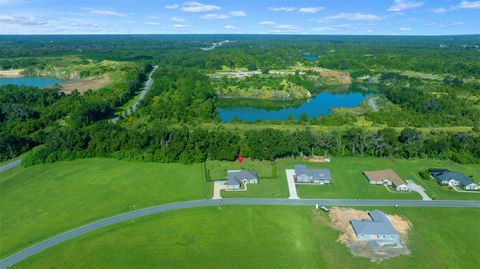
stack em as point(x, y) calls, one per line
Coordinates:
point(40, 201)
point(49, 195)
point(261, 237)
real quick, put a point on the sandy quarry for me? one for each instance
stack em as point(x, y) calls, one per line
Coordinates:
point(83, 85)
point(12, 73)
point(340, 220)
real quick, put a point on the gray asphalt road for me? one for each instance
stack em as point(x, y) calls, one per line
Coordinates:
point(10, 165)
point(146, 88)
point(9, 261)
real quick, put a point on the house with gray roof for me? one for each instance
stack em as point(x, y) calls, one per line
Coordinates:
point(237, 178)
point(317, 176)
point(445, 177)
point(378, 228)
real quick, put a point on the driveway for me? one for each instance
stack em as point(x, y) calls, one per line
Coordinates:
point(292, 189)
point(217, 187)
point(417, 188)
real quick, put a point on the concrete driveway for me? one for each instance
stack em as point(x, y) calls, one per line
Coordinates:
point(419, 189)
point(217, 187)
point(292, 189)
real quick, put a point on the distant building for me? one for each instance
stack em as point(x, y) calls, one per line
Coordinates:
point(445, 177)
point(386, 177)
point(305, 175)
point(235, 179)
point(379, 228)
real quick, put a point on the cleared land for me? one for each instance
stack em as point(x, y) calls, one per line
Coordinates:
point(261, 237)
point(83, 85)
point(43, 200)
point(11, 73)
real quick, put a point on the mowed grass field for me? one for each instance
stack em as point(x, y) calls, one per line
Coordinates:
point(44, 200)
point(262, 237)
point(349, 182)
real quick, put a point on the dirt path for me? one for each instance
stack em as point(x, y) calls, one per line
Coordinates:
point(11, 73)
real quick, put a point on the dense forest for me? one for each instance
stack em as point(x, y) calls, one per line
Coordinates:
point(178, 118)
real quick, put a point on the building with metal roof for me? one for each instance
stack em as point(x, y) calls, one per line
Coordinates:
point(235, 178)
point(378, 228)
point(305, 175)
point(445, 177)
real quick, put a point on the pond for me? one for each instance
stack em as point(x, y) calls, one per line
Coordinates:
point(31, 81)
point(310, 57)
point(319, 105)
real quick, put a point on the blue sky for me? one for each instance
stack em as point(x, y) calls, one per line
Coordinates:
point(370, 17)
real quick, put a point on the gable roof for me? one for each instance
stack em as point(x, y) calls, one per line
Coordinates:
point(379, 225)
point(380, 175)
point(235, 177)
point(319, 174)
point(447, 176)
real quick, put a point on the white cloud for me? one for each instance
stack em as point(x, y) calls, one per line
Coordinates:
point(151, 23)
point(284, 28)
point(104, 12)
point(404, 29)
point(180, 25)
point(440, 10)
point(237, 13)
point(430, 24)
point(221, 16)
point(229, 27)
point(11, 2)
point(177, 19)
point(212, 16)
point(353, 17)
point(267, 23)
point(196, 7)
point(286, 9)
point(22, 20)
point(172, 6)
point(469, 5)
point(458, 23)
point(311, 10)
point(401, 5)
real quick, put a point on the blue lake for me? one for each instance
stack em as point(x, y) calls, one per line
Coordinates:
point(30, 81)
point(321, 104)
point(310, 57)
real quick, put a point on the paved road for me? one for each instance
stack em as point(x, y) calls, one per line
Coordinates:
point(146, 88)
point(10, 165)
point(15, 258)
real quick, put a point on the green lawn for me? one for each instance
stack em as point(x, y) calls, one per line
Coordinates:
point(349, 182)
point(261, 237)
point(44, 200)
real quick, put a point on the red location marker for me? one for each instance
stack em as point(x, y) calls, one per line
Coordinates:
point(240, 158)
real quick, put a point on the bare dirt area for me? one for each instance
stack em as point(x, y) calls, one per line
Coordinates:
point(83, 85)
point(342, 77)
point(11, 73)
point(340, 220)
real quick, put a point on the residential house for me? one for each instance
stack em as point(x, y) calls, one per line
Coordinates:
point(386, 177)
point(305, 175)
point(445, 177)
point(378, 228)
point(237, 178)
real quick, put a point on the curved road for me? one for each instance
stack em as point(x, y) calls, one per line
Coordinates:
point(23, 254)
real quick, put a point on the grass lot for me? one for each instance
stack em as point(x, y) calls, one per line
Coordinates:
point(43, 200)
point(261, 237)
point(242, 127)
point(348, 181)
point(270, 184)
